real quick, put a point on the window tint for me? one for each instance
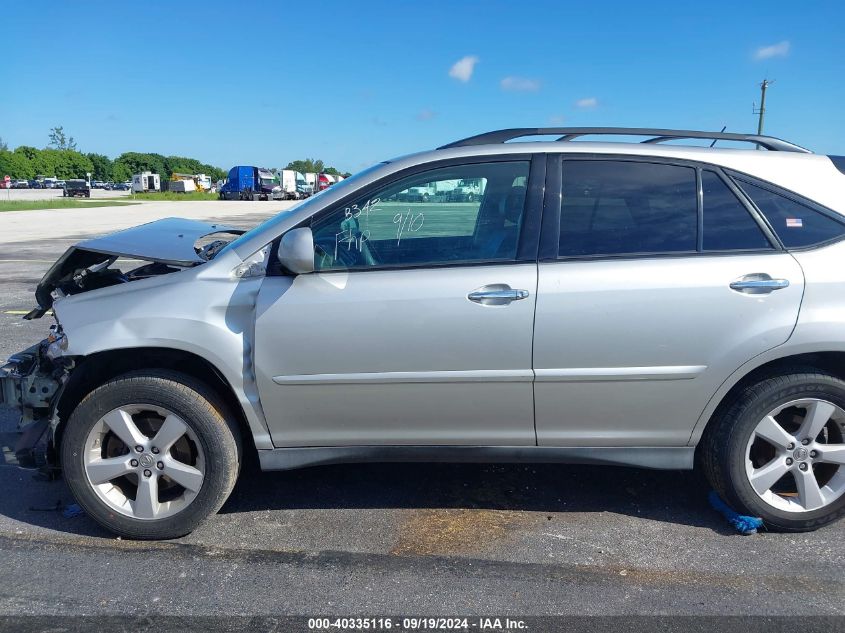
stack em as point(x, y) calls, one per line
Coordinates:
point(795, 224)
point(466, 213)
point(727, 224)
point(626, 207)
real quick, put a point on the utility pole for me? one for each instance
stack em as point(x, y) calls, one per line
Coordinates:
point(762, 111)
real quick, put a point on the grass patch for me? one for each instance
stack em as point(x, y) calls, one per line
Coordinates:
point(175, 196)
point(61, 203)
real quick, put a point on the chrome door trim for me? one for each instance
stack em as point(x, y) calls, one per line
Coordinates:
point(596, 374)
point(396, 377)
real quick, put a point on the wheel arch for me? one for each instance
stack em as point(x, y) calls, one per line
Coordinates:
point(832, 362)
point(100, 367)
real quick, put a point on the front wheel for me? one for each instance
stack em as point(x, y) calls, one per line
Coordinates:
point(778, 452)
point(150, 455)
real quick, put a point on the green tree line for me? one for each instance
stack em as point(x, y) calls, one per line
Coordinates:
point(315, 166)
point(27, 162)
point(61, 159)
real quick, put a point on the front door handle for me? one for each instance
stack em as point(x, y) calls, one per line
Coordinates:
point(758, 284)
point(496, 295)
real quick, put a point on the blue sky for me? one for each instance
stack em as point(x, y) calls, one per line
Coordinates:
point(352, 83)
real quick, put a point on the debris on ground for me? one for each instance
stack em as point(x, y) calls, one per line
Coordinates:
point(745, 525)
point(73, 510)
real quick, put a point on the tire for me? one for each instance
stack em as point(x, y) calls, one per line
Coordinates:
point(211, 437)
point(734, 449)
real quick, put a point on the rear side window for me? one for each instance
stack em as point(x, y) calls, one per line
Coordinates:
point(728, 226)
point(796, 224)
point(627, 207)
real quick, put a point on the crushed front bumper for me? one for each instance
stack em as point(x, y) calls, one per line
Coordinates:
point(31, 382)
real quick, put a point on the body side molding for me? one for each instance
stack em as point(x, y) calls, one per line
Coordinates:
point(394, 377)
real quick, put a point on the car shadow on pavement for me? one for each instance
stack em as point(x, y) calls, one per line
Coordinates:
point(678, 497)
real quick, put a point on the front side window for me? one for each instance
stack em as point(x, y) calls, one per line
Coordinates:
point(627, 207)
point(461, 214)
point(796, 224)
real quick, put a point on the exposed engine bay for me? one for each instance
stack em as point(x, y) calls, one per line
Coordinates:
point(162, 247)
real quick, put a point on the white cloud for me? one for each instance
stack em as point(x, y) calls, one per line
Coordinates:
point(520, 84)
point(781, 49)
point(426, 115)
point(587, 102)
point(463, 68)
point(557, 119)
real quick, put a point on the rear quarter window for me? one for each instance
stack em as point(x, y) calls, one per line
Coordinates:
point(797, 225)
point(727, 224)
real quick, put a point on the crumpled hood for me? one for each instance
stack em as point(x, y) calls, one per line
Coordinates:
point(169, 241)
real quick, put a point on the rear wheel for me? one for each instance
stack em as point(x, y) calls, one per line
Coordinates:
point(150, 455)
point(778, 452)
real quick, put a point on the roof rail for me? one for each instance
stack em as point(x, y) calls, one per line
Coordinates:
point(657, 135)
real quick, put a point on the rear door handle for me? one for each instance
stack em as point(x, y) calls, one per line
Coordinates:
point(758, 284)
point(496, 295)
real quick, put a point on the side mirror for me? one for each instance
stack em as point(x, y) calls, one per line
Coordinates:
point(296, 251)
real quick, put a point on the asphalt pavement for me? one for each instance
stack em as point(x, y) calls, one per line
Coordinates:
point(395, 538)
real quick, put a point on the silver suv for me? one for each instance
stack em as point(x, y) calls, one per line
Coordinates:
point(642, 304)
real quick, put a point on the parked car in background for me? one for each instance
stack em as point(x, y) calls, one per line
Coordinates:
point(59, 184)
point(20, 183)
point(146, 182)
point(636, 304)
point(121, 186)
point(294, 185)
point(246, 182)
point(76, 187)
point(324, 181)
point(467, 190)
point(35, 184)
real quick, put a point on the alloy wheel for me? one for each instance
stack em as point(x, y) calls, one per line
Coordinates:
point(144, 462)
point(795, 458)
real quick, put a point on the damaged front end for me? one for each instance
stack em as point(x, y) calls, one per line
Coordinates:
point(32, 381)
point(164, 246)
